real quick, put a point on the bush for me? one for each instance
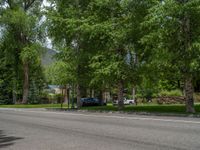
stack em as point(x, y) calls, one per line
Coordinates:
point(44, 97)
point(147, 94)
point(171, 93)
point(5, 95)
point(58, 98)
point(197, 97)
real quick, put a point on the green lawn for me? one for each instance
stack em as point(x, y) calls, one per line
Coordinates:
point(154, 108)
point(33, 106)
point(146, 108)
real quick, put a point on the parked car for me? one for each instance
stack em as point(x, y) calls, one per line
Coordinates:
point(129, 101)
point(90, 102)
point(126, 102)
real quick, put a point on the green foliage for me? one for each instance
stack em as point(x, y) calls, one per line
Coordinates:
point(152, 45)
point(5, 94)
point(6, 76)
point(34, 94)
point(31, 53)
point(172, 36)
point(171, 93)
point(37, 84)
point(20, 42)
point(60, 73)
point(74, 46)
point(167, 36)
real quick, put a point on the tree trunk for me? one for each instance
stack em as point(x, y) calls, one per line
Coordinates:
point(188, 77)
point(189, 95)
point(101, 97)
point(62, 97)
point(88, 93)
point(16, 76)
point(133, 95)
point(25, 83)
point(78, 90)
point(120, 95)
point(106, 96)
point(14, 91)
point(66, 95)
point(92, 93)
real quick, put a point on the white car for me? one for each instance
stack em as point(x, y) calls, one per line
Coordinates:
point(126, 102)
point(129, 101)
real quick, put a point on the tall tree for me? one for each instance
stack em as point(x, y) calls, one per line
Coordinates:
point(174, 34)
point(102, 34)
point(64, 18)
point(114, 26)
point(21, 21)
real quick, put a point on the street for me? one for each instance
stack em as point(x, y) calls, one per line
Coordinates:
point(23, 129)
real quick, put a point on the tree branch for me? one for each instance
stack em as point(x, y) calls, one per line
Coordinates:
point(9, 3)
point(28, 4)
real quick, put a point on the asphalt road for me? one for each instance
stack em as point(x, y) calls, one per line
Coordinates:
point(22, 129)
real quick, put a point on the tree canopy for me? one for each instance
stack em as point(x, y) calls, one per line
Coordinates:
point(102, 45)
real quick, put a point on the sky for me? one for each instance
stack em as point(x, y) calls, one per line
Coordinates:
point(48, 41)
point(45, 3)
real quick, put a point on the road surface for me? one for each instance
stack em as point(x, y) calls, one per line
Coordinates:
point(22, 129)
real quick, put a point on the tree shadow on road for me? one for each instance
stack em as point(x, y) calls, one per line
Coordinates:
point(6, 141)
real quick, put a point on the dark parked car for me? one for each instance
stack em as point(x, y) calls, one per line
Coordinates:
point(90, 102)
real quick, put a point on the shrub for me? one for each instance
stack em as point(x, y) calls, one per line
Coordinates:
point(171, 93)
point(58, 98)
